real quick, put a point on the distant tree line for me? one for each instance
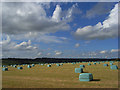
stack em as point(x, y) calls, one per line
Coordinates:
point(9, 61)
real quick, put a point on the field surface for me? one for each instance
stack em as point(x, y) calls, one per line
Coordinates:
point(60, 76)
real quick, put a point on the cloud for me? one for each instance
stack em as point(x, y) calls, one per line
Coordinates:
point(115, 50)
point(3, 42)
point(22, 50)
point(77, 45)
point(70, 14)
point(46, 38)
point(25, 46)
point(19, 18)
point(57, 14)
point(92, 53)
point(107, 29)
point(51, 39)
point(8, 45)
point(99, 9)
point(48, 54)
point(40, 53)
point(58, 53)
point(23, 20)
point(103, 52)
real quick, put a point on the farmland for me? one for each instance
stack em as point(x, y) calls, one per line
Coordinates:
point(64, 76)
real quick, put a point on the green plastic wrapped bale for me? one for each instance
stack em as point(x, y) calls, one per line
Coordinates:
point(89, 64)
point(33, 65)
point(82, 66)
point(74, 63)
point(111, 63)
point(23, 64)
point(105, 64)
point(19, 67)
point(61, 64)
point(14, 66)
point(114, 67)
point(98, 62)
point(94, 63)
point(86, 77)
point(29, 66)
point(48, 65)
point(4, 66)
point(11, 65)
point(58, 64)
point(4, 69)
point(78, 70)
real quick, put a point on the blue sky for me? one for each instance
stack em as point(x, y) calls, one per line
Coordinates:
point(72, 29)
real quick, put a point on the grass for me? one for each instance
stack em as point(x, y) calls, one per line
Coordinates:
point(59, 77)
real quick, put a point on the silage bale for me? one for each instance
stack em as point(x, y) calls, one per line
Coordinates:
point(103, 61)
point(33, 65)
point(61, 64)
point(111, 63)
point(29, 66)
point(78, 70)
point(105, 64)
point(14, 66)
point(86, 77)
point(94, 63)
point(98, 62)
point(89, 64)
point(4, 69)
point(4, 66)
point(58, 64)
point(73, 63)
point(82, 66)
point(19, 67)
point(23, 64)
point(42, 64)
point(114, 67)
point(48, 65)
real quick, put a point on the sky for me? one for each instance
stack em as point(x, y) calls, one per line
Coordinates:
point(59, 30)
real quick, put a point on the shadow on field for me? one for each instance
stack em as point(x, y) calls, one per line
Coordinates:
point(96, 79)
point(85, 72)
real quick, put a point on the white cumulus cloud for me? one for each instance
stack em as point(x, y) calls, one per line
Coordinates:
point(58, 53)
point(31, 17)
point(103, 30)
point(40, 53)
point(25, 46)
point(77, 45)
point(103, 52)
point(115, 50)
point(57, 14)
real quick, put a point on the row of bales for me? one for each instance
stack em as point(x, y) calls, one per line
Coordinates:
point(82, 76)
point(89, 76)
point(5, 68)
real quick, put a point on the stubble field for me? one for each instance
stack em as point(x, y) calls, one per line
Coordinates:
point(60, 76)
